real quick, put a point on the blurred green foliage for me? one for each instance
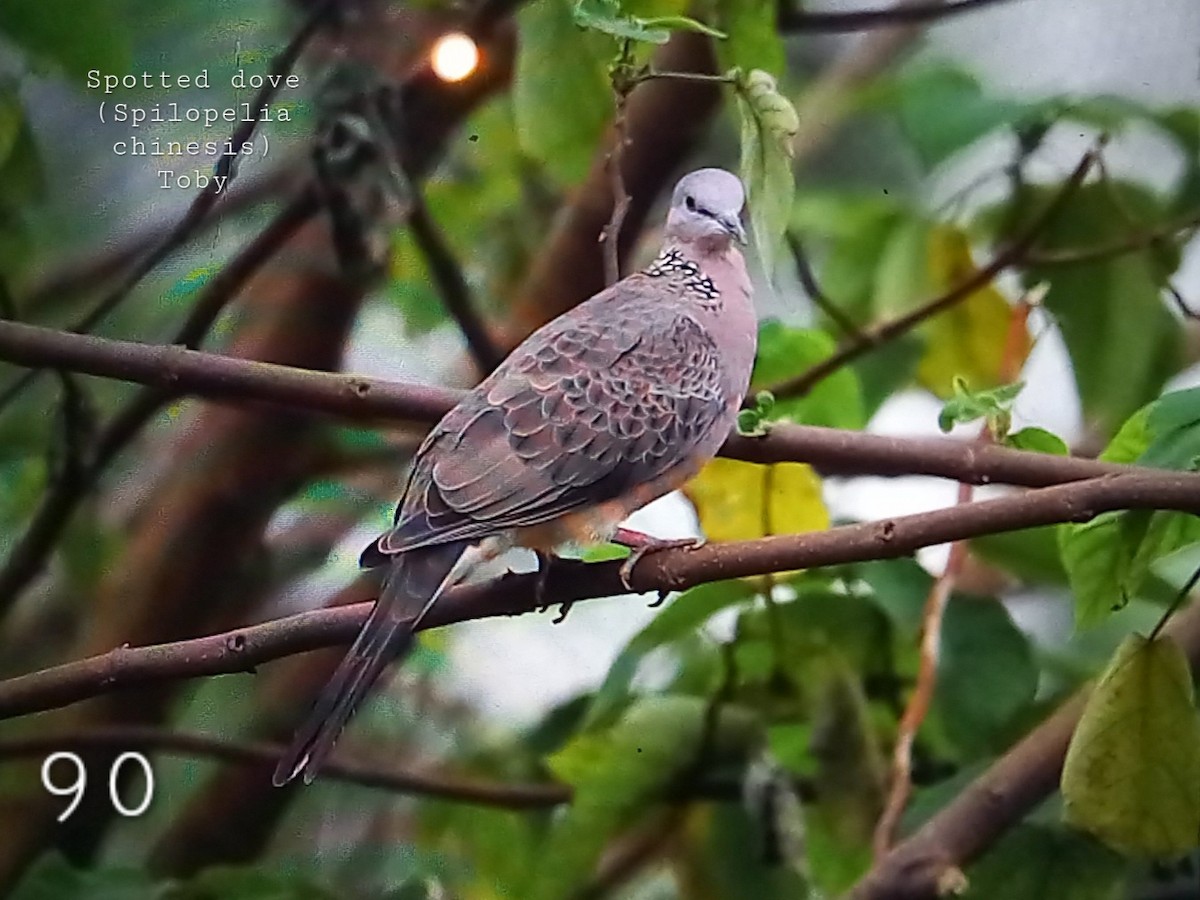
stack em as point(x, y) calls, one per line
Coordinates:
point(803, 675)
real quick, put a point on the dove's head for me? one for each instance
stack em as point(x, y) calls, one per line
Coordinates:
point(706, 209)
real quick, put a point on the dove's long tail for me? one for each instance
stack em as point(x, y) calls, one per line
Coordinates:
point(411, 586)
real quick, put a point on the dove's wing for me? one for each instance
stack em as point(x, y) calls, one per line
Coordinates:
point(598, 402)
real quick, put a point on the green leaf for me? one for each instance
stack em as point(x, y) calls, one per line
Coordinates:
point(53, 878)
point(1173, 422)
point(899, 587)
point(849, 627)
point(1131, 439)
point(562, 97)
point(1132, 773)
point(620, 772)
point(1122, 340)
point(247, 883)
point(887, 370)
point(1030, 554)
point(769, 122)
point(784, 352)
point(680, 618)
point(1183, 124)
point(607, 16)
point(76, 37)
point(986, 676)
point(848, 233)
point(852, 775)
point(944, 110)
point(1038, 440)
point(756, 422)
point(682, 23)
point(753, 39)
point(902, 272)
point(1109, 558)
point(993, 404)
point(22, 181)
point(726, 854)
point(12, 117)
point(1034, 862)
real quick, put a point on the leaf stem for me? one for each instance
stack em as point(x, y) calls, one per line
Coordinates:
point(1187, 588)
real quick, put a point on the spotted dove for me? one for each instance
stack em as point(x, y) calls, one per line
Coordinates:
point(609, 406)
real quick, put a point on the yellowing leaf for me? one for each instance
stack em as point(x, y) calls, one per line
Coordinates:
point(1132, 773)
point(738, 501)
point(969, 339)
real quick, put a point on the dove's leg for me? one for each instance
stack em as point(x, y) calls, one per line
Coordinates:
point(641, 544)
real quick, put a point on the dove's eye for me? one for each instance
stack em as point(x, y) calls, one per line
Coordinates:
point(690, 202)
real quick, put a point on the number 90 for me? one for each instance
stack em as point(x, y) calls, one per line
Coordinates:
point(79, 783)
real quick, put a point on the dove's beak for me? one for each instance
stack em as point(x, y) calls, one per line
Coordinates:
point(734, 227)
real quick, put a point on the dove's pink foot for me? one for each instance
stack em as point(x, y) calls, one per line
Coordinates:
point(641, 544)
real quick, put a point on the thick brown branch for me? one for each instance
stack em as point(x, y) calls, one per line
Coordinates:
point(833, 451)
point(570, 581)
point(799, 20)
point(873, 337)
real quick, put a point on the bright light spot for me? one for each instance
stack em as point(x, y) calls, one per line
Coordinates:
point(455, 56)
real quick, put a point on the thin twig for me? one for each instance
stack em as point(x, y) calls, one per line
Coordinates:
point(884, 332)
point(1128, 244)
point(425, 782)
point(451, 284)
point(622, 85)
point(569, 581)
point(224, 173)
point(808, 281)
point(649, 74)
point(1188, 587)
point(27, 557)
point(798, 20)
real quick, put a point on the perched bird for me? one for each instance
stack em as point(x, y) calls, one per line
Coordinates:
point(602, 410)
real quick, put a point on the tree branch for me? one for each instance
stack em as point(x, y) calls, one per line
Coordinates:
point(799, 20)
point(569, 581)
point(426, 782)
point(1138, 240)
point(812, 287)
point(879, 334)
point(448, 277)
point(364, 399)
